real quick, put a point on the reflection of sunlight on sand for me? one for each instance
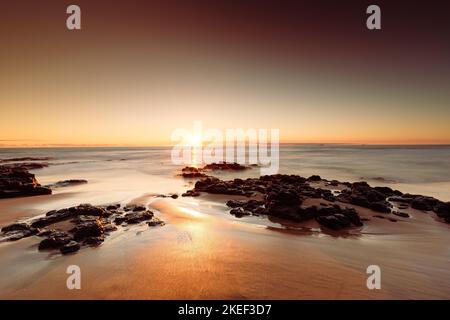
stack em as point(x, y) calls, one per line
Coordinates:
point(191, 212)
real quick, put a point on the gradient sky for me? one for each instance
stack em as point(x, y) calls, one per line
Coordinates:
point(140, 69)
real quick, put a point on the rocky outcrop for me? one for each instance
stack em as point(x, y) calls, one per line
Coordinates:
point(16, 181)
point(90, 225)
point(283, 197)
point(195, 172)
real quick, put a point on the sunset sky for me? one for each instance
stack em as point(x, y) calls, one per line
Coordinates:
point(138, 70)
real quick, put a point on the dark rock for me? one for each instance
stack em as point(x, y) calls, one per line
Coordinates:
point(190, 193)
point(334, 222)
point(314, 178)
point(424, 203)
point(94, 241)
point(442, 209)
point(155, 222)
point(15, 227)
point(235, 203)
point(17, 235)
point(387, 192)
point(87, 229)
point(113, 207)
point(109, 227)
point(381, 206)
point(72, 212)
point(402, 199)
point(239, 212)
point(16, 181)
point(134, 217)
point(54, 242)
point(400, 214)
point(70, 247)
point(194, 175)
point(67, 183)
point(225, 166)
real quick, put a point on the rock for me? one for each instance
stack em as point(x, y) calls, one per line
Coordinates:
point(424, 203)
point(174, 196)
point(94, 241)
point(334, 222)
point(134, 217)
point(442, 209)
point(113, 207)
point(67, 183)
point(155, 222)
point(190, 193)
point(194, 175)
point(359, 201)
point(402, 199)
point(239, 212)
point(190, 169)
point(17, 231)
point(314, 178)
point(225, 166)
point(70, 247)
point(387, 192)
point(16, 181)
point(400, 214)
point(353, 216)
point(17, 235)
point(109, 227)
point(54, 216)
point(87, 229)
point(235, 203)
point(381, 206)
point(54, 242)
point(15, 227)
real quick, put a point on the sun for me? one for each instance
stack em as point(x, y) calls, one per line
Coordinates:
point(196, 141)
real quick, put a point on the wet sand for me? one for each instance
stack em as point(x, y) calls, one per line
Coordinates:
point(203, 252)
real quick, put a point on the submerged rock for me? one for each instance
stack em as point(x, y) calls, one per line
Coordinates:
point(67, 183)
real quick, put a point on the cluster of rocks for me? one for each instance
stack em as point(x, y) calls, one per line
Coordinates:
point(16, 181)
point(225, 166)
point(194, 172)
point(87, 226)
point(288, 206)
point(424, 203)
point(363, 195)
point(282, 196)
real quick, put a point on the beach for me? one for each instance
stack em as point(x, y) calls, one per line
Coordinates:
point(203, 252)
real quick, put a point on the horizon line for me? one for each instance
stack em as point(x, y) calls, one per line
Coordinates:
point(172, 145)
